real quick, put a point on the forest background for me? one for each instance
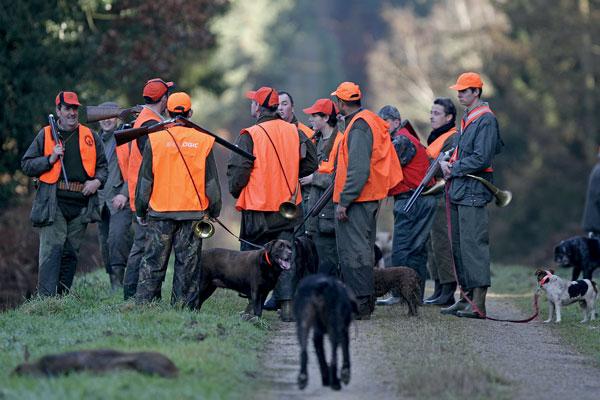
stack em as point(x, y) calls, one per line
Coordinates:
point(539, 60)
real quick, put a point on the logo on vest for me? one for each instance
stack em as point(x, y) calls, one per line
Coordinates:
point(88, 140)
point(190, 145)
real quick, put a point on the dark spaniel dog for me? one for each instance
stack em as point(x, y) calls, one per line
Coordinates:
point(581, 253)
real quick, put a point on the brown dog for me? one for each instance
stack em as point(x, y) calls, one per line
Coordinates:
point(404, 280)
point(252, 273)
point(97, 361)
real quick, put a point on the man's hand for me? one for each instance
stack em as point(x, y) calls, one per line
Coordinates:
point(446, 169)
point(307, 180)
point(90, 187)
point(57, 152)
point(119, 201)
point(340, 213)
point(141, 221)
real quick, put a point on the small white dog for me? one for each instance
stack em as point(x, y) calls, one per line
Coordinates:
point(562, 293)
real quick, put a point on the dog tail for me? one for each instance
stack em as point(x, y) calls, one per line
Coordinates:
point(594, 286)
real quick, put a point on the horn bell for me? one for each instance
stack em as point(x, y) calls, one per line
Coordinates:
point(289, 210)
point(203, 229)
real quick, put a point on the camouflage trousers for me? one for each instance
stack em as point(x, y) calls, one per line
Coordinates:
point(161, 237)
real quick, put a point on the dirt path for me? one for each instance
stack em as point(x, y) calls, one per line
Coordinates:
point(529, 359)
point(534, 358)
point(281, 371)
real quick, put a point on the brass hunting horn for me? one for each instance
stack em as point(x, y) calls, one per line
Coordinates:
point(503, 197)
point(289, 209)
point(203, 229)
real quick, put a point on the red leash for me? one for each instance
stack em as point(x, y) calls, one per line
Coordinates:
point(462, 292)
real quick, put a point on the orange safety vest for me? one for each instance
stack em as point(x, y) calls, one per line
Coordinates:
point(135, 157)
point(123, 159)
point(267, 187)
point(385, 170)
point(471, 117)
point(327, 166)
point(435, 148)
point(87, 149)
point(306, 130)
point(173, 188)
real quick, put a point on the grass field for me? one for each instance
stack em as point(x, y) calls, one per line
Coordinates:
point(213, 349)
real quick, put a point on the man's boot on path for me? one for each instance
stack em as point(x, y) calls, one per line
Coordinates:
point(479, 294)
point(460, 305)
point(446, 297)
point(437, 291)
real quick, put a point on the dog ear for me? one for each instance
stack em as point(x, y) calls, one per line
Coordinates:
point(539, 271)
point(551, 271)
point(269, 246)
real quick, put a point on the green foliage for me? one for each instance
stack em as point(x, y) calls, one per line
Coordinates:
point(103, 49)
point(214, 349)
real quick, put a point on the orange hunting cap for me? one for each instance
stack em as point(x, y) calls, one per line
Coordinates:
point(69, 98)
point(156, 88)
point(323, 106)
point(265, 96)
point(347, 91)
point(179, 102)
point(468, 80)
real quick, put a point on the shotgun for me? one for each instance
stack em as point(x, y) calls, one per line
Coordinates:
point(53, 130)
point(431, 172)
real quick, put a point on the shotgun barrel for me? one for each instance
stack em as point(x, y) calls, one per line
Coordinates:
point(52, 123)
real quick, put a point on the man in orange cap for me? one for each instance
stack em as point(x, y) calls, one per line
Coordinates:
point(476, 145)
point(177, 160)
point(323, 118)
point(70, 173)
point(283, 155)
point(155, 93)
point(367, 168)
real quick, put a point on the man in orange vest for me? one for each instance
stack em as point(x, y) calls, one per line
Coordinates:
point(155, 93)
point(441, 138)
point(178, 186)
point(286, 111)
point(115, 227)
point(367, 168)
point(283, 155)
point(323, 118)
point(70, 173)
point(411, 230)
point(477, 144)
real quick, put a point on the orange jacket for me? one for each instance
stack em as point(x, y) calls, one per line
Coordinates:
point(267, 187)
point(435, 148)
point(123, 159)
point(327, 166)
point(87, 149)
point(306, 130)
point(173, 188)
point(385, 171)
point(135, 157)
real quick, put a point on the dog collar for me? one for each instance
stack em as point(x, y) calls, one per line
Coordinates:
point(267, 258)
point(546, 278)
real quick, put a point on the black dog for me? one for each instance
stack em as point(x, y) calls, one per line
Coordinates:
point(307, 258)
point(581, 253)
point(252, 273)
point(326, 305)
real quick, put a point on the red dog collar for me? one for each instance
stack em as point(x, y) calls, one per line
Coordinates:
point(267, 258)
point(546, 278)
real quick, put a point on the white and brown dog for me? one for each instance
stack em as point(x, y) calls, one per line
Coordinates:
point(561, 292)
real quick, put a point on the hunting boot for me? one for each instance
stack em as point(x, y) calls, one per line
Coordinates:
point(479, 294)
point(116, 278)
point(389, 301)
point(271, 304)
point(365, 307)
point(458, 306)
point(446, 297)
point(437, 291)
point(287, 314)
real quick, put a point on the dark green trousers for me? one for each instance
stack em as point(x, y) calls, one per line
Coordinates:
point(59, 248)
point(355, 244)
point(471, 245)
point(440, 261)
point(328, 256)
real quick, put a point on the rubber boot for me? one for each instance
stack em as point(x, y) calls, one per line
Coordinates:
point(458, 306)
point(270, 305)
point(389, 301)
point(287, 314)
point(446, 296)
point(116, 278)
point(129, 291)
point(437, 291)
point(364, 307)
point(479, 294)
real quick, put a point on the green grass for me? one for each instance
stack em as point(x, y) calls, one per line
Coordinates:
point(517, 280)
point(214, 349)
